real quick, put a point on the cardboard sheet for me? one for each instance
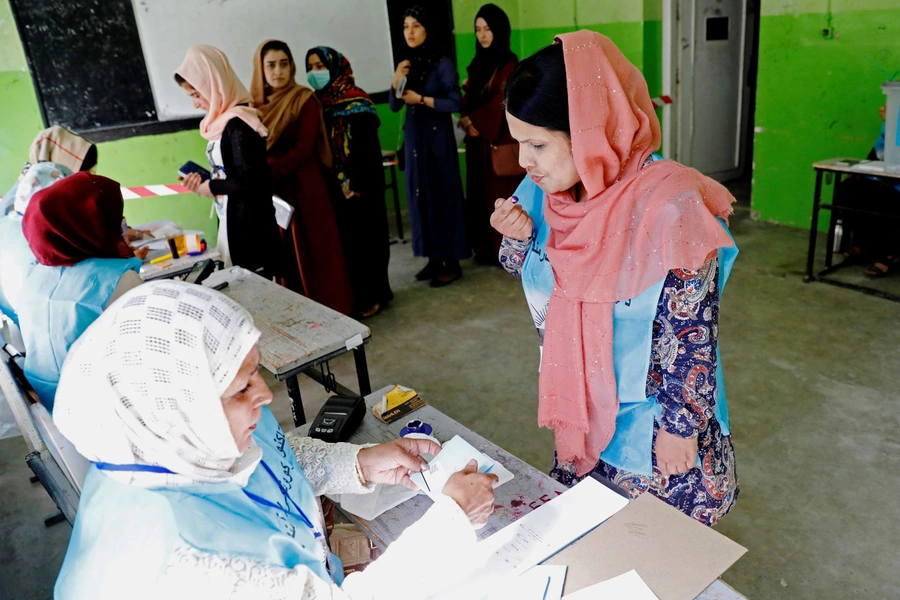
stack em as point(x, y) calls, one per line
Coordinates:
point(674, 554)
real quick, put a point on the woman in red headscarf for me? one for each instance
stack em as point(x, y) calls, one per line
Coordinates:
point(74, 229)
point(630, 379)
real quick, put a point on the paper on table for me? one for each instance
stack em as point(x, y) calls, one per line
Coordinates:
point(652, 537)
point(628, 586)
point(540, 534)
point(372, 505)
point(539, 583)
point(453, 457)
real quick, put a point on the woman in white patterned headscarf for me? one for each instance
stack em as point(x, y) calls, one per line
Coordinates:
point(195, 491)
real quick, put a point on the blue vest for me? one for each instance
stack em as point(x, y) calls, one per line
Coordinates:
point(124, 535)
point(55, 307)
point(631, 446)
point(16, 263)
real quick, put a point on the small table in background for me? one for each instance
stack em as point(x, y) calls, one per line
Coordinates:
point(838, 167)
point(297, 334)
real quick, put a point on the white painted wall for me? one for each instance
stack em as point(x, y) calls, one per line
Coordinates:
point(357, 28)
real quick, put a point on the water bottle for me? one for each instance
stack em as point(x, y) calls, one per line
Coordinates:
point(838, 235)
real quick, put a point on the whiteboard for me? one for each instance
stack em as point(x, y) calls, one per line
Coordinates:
point(356, 28)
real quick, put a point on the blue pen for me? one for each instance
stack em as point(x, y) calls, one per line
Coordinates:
point(546, 589)
point(488, 470)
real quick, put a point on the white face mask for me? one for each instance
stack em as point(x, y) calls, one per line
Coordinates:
point(318, 79)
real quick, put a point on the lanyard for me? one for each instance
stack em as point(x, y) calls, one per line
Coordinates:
point(103, 466)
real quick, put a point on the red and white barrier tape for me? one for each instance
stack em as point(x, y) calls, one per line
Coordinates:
point(149, 191)
point(660, 101)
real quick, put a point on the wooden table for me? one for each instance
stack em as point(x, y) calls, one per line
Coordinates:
point(177, 266)
point(529, 490)
point(297, 334)
point(838, 167)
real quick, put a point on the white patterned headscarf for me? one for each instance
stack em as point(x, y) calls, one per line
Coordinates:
point(143, 386)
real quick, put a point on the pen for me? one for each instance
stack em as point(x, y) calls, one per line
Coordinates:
point(488, 470)
point(159, 259)
point(546, 589)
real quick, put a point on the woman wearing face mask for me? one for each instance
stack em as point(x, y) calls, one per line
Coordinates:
point(433, 184)
point(484, 122)
point(352, 126)
point(195, 491)
point(299, 157)
point(630, 376)
point(240, 187)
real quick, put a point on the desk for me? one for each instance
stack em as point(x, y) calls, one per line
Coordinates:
point(297, 334)
point(529, 490)
point(833, 166)
point(177, 266)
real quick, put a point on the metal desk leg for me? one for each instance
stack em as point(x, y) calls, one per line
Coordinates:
point(829, 243)
point(297, 411)
point(362, 370)
point(813, 228)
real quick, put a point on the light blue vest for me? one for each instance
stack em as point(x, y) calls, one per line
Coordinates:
point(124, 535)
point(16, 263)
point(55, 307)
point(631, 446)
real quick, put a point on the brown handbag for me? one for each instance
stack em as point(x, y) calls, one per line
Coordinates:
point(505, 160)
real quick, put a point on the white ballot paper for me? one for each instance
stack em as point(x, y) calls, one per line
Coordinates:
point(543, 582)
point(539, 535)
point(628, 586)
point(453, 457)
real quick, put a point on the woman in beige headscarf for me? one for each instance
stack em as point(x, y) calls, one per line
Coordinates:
point(240, 185)
point(298, 156)
point(59, 146)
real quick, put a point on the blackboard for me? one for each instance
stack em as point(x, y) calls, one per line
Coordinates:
point(86, 63)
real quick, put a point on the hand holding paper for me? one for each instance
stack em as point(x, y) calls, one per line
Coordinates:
point(454, 456)
point(473, 491)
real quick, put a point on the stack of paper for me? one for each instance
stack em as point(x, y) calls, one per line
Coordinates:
point(538, 535)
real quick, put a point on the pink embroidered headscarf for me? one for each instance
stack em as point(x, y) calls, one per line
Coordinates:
point(634, 226)
point(207, 69)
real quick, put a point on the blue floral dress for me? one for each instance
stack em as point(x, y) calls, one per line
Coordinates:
point(681, 375)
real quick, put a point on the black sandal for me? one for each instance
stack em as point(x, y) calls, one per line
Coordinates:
point(883, 267)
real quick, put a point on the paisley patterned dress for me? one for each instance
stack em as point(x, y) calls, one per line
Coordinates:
point(681, 374)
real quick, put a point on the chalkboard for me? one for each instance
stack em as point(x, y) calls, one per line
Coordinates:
point(86, 62)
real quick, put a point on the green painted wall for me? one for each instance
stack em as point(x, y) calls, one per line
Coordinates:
point(817, 96)
point(634, 26)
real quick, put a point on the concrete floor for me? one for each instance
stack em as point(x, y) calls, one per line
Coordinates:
point(812, 392)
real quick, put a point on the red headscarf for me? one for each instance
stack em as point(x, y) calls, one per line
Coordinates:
point(74, 219)
point(635, 225)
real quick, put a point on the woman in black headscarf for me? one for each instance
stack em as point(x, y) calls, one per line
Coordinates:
point(430, 90)
point(488, 177)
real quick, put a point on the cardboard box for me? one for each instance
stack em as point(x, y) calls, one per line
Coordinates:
point(674, 554)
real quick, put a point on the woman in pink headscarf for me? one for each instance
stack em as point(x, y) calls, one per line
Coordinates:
point(623, 257)
point(241, 186)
